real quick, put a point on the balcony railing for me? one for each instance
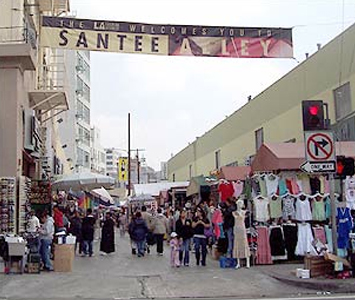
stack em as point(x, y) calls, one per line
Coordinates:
point(21, 34)
point(52, 77)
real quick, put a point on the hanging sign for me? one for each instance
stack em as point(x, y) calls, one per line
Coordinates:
point(319, 146)
point(122, 169)
point(173, 40)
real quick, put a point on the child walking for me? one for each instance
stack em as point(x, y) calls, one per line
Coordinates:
point(175, 249)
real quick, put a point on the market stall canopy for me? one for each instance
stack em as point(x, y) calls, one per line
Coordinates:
point(289, 156)
point(118, 193)
point(103, 195)
point(142, 197)
point(199, 184)
point(155, 188)
point(83, 181)
point(234, 173)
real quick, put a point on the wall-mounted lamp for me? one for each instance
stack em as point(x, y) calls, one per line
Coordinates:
point(64, 146)
point(60, 120)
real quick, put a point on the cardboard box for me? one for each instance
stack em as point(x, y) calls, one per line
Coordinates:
point(318, 266)
point(63, 265)
point(331, 257)
point(63, 257)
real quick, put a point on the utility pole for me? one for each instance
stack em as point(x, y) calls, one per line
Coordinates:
point(129, 154)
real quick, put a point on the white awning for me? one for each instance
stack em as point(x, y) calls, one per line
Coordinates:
point(49, 100)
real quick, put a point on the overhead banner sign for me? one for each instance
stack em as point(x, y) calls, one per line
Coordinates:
point(174, 40)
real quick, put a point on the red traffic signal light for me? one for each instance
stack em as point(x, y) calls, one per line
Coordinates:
point(313, 115)
point(313, 110)
point(345, 166)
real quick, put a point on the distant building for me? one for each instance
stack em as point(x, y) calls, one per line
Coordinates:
point(98, 154)
point(112, 157)
point(75, 131)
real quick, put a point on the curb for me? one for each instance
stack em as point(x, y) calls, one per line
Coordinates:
point(337, 286)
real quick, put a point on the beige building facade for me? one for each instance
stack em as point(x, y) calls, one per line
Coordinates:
point(275, 114)
point(32, 92)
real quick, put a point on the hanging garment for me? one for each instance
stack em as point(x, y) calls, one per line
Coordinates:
point(350, 183)
point(247, 189)
point(319, 234)
point(290, 234)
point(241, 246)
point(350, 198)
point(295, 188)
point(226, 190)
point(277, 242)
point(328, 208)
point(252, 235)
point(263, 254)
point(315, 185)
point(288, 208)
point(322, 184)
point(289, 186)
point(261, 206)
point(303, 210)
point(216, 220)
point(305, 238)
point(306, 187)
point(318, 210)
point(282, 187)
point(275, 207)
point(326, 186)
point(238, 188)
point(272, 184)
point(262, 185)
point(328, 235)
point(345, 224)
point(255, 185)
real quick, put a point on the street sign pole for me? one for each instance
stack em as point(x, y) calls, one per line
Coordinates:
point(333, 213)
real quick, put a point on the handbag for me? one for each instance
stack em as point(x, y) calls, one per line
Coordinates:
point(208, 232)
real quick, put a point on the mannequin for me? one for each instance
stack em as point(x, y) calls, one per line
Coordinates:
point(241, 247)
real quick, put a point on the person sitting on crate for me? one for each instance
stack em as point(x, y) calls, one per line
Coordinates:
point(46, 233)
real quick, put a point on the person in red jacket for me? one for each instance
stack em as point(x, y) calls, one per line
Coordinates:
point(58, 219)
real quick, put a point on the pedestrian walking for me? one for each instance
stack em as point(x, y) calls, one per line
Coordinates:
point(138, 230)
point(75, 229)
point(46, 233)
point(185, 232)
point(160, 228)
point(228, 224)
point(88, 230)
point(199, 224)
point(174, 250)
point(122, 224)
point(107, 244)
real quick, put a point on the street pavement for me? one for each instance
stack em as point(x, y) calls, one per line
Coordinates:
point(124, 276)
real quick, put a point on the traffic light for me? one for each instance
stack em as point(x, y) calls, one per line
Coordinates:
point(313, 115)
point(345, 166)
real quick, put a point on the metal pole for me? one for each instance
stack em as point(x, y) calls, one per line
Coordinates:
point(129, 154)
point(334, 212)
point(138, 179)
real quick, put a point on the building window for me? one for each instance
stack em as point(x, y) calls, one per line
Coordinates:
point(217, 159)
point(342, 101)
point(190, 171)
point(259, 138)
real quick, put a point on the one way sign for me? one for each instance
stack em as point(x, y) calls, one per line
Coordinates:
point(319, 146)
point(319, 167)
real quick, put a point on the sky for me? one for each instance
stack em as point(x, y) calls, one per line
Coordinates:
point(174, 100)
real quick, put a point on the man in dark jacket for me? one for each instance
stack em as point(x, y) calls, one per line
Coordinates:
point(228, 224)
point(138, 230)
point(87, 230)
